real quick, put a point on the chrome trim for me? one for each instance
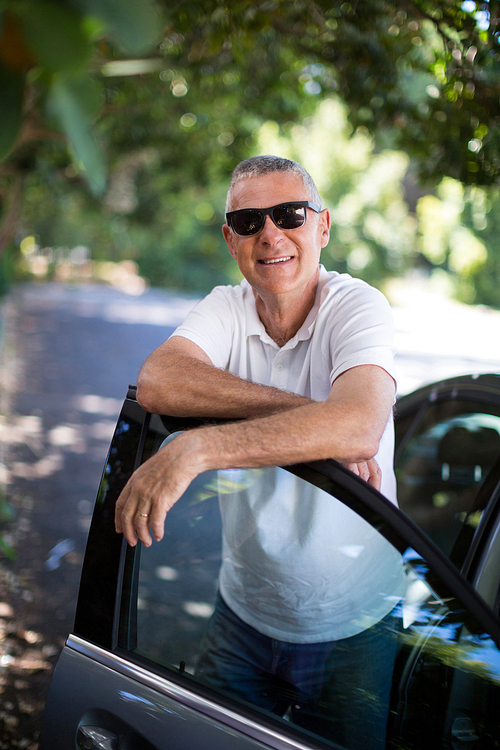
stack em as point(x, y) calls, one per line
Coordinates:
point(185, 697)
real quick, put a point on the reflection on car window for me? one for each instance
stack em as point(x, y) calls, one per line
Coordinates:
point(403, 662)
point(442, 468)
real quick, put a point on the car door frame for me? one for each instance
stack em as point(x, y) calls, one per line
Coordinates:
point(105, 603)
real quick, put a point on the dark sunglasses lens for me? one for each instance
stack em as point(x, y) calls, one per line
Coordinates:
point(289, 216)
point(247, 222)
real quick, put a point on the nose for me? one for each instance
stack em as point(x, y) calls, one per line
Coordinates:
point(270, 233)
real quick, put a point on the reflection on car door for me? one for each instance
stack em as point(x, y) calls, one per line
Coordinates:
point(448, 460)
point(127, 677)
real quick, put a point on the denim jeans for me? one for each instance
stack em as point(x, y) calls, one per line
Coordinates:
point(339, 689)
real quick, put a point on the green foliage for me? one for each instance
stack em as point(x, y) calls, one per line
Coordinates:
point(7, 271)
point(55, 42)
point(423, 73)
point(53, 33)
point(70, 101)
point(157, 138)
point(373, 234)
point(134, 24)
point(7, 516)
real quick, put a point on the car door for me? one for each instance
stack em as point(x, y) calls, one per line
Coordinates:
point(447, 462)
point(127, 676)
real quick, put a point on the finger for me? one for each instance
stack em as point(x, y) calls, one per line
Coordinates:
point(375, 479)
point(120, 504)
point(353, 468)
point(141, 527)
point(364, 471)
point(157, 521)
point(128, 524)
point(128, 515)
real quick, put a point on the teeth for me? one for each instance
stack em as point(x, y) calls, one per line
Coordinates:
point(276, 260)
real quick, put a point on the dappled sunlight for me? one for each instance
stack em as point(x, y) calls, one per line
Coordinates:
point(19, 429)
point(67, 436)
point(198, 609)
point(165, 573)
point(102, 430)
point(48, 465)
point(48, 447)
point(76, 265)
point(170, 312)
point(93, 404)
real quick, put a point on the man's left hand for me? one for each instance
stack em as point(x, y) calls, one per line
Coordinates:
point(153, 489)
point(369, 471)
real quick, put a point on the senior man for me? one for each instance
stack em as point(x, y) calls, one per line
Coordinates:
point(302, 358)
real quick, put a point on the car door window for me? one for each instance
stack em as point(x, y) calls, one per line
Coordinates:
point(425, 673)
point(443, 464)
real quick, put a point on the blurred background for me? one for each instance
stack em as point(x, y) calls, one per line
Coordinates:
point(122, 121)
point(120, 124)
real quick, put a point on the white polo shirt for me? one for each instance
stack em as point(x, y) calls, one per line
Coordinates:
point(288, 567)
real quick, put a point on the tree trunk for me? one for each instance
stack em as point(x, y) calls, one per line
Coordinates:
point(11, 212)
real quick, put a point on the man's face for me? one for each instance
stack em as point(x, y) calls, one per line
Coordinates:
point(277, 261)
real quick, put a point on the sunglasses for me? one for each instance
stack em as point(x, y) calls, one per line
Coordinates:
point(248, 221)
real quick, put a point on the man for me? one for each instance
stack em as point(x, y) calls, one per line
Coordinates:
point(302, 359)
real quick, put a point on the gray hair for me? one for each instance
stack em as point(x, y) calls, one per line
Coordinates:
point(261, 165)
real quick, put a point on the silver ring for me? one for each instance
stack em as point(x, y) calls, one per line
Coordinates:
point(144, 515)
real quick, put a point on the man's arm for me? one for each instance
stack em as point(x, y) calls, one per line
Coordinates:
point(179, 379)
point(347, 427)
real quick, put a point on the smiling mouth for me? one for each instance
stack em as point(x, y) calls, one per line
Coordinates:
point(272, 261)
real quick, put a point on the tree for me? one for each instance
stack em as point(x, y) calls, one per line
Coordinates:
point(426, 70)
point(423, 74)
point(417, 74)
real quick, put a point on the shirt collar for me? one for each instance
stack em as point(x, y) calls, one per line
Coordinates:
point(256, 328)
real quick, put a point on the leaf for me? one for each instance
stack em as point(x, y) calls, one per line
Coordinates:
point(7, 512)
point(11, 103)
point(56, 35)
point(70, 102)
point(135, 24)
point(6, 549)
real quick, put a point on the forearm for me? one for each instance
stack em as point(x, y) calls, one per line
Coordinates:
point(311, 432)
point(347, 427)
point(184, 386)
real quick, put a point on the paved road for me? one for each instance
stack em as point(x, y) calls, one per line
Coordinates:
point(75, 352)
point(70, 354)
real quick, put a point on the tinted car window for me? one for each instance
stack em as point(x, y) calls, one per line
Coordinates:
point(444, 672)
point(443, 464)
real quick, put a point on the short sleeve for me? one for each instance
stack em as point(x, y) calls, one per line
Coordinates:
point(363, 331)
point(210, 325)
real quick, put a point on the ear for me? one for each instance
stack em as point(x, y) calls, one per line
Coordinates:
point(228, 236)
point(325, 223)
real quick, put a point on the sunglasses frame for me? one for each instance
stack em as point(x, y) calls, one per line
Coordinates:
point(269, 212)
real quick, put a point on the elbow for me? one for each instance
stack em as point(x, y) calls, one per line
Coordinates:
point(144, 397)
point(156, 397)
point(369, 448)
point(365, 447)
point(147, 394)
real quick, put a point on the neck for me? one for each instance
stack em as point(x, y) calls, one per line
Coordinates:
point(282, 318)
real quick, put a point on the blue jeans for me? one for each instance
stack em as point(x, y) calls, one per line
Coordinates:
point(339, 689)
